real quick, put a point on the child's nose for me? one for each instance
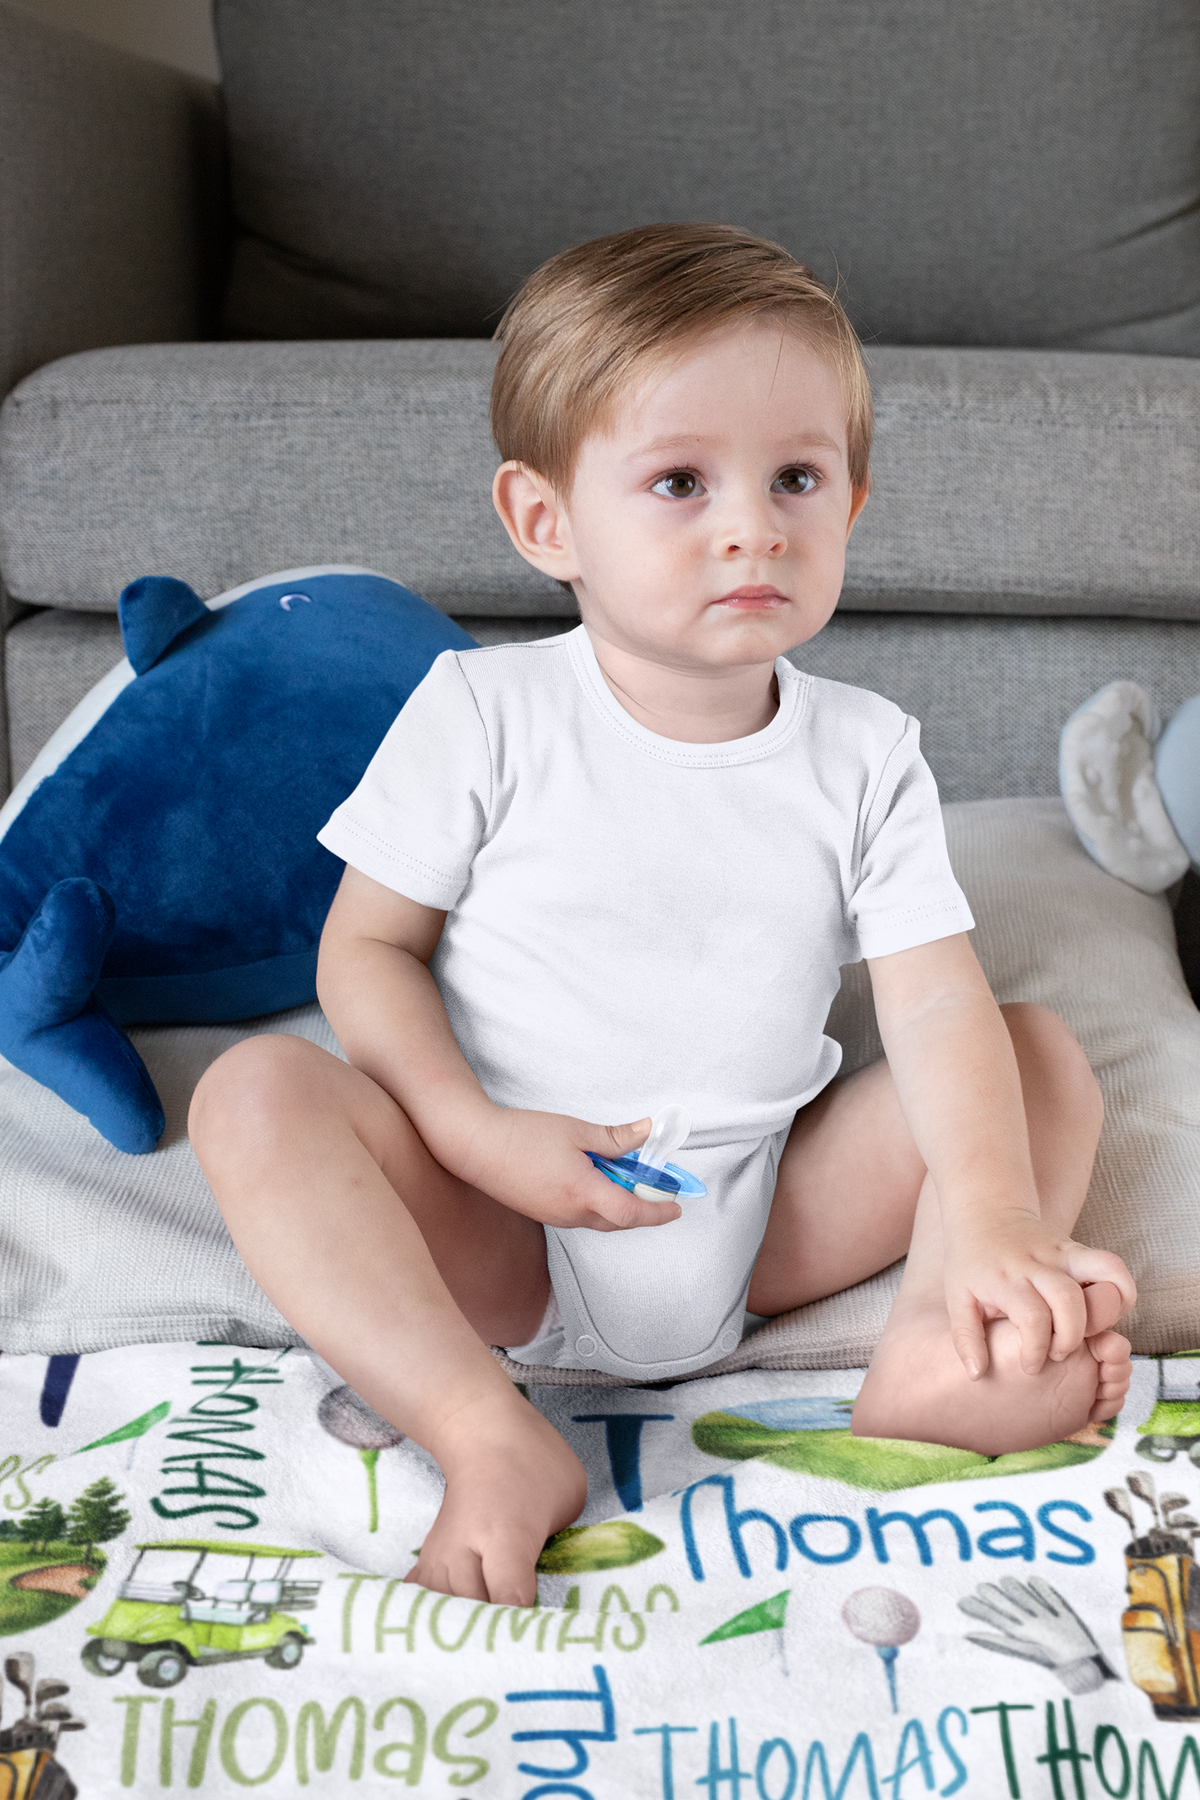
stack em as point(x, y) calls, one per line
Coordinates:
point(752, 528)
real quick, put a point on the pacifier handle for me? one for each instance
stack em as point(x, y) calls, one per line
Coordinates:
point(668, 1131)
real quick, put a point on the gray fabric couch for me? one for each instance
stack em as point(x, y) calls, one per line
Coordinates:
point(248, 331)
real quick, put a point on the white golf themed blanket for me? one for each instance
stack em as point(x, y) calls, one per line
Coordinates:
point(202, 1552)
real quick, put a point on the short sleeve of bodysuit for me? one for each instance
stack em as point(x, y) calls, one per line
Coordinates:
point(416, 819)
point(906, 893)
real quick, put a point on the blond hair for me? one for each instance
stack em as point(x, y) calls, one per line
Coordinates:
point(589, 321)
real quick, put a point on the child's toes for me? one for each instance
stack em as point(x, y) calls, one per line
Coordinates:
point(1112, 1352)
point(1113, 1373)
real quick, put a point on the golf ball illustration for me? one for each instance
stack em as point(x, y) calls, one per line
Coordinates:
point(884, 1618)
point(349, 1419)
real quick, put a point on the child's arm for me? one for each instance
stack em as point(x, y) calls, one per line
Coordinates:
point(387, 1013)
point(956, 1076)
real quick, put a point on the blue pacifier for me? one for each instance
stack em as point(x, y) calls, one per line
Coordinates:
point(646, 1172)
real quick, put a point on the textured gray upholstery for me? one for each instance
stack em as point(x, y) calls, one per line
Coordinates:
point(51, 660)
point(1000, 172)
point(991, 694)
point(1004, 481)
point(111, 197)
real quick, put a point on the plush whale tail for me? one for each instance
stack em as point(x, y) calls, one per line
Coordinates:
point(52, 1027)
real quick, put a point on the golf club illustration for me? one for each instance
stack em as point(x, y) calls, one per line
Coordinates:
point(1142, 1488)
point(1170, 1534)
point(42, 1706)
point(1117, 1500)
point(1184, 1525)
point(29, 1745)
point(1176, 1517)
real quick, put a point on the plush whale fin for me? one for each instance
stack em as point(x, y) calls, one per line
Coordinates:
point(52, 1028)
point(1107, 776)
point(152, 612)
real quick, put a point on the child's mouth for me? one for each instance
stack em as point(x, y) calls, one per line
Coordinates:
point(754, 599)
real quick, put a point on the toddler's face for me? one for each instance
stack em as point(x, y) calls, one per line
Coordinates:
point(708, 527)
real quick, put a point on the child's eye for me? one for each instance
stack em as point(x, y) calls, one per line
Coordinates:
point(795, 481)
point(681, 484)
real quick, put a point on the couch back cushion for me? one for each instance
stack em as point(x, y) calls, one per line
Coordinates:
point(1005, 172)
point(1034, 482)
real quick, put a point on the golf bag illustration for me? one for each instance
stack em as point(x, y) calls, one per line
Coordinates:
point(29, 1766)
point(1160, 1626)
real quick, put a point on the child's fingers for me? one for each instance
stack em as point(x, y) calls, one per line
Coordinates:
point(967, 1335)
point(1068, 1311)
point(461, 1574)
point(623, 1210)
point(1035, 1323)
point(615, 1140)
point(508, 1581)
point(1087, 1265)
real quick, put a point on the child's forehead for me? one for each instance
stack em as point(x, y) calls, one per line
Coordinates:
point(706, 388)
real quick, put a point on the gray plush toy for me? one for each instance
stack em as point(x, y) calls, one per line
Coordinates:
point(1132, 787)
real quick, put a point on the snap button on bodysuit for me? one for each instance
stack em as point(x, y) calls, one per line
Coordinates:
point(585, 1345)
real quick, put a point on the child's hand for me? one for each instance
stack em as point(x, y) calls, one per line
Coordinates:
point(1011, 1267)
point(536, 1163)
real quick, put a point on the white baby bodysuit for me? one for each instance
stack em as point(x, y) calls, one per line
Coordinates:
point(633, 920)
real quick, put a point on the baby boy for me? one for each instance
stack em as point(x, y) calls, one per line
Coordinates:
point(620, 867)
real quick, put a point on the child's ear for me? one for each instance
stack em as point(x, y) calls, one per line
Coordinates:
point(535, 519)
point(858, 499)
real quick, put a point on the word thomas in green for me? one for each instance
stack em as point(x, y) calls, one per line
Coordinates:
point(257, 1741)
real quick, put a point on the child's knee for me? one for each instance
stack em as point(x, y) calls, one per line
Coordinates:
point(257, 1082)
point(1049, 1054)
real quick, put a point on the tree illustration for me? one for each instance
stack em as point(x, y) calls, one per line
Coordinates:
point(42, 1523)
point(96, 1516)
point(9, 1529)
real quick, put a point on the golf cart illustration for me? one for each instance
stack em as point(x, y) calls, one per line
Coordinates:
point(187, 1602)
point(28, 1748)
point(1174, 1423)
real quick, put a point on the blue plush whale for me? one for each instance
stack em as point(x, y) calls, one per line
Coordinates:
point(159, 860)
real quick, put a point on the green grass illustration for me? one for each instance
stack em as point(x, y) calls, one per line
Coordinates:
point(614, 1544)
point(878, 1464)
point(22, 1608)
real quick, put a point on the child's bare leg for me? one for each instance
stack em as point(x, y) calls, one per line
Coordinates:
point(853, 1192)
point(399, 1275)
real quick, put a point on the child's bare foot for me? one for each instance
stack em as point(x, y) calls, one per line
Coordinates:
point(511, 1482)
point(917, 1387)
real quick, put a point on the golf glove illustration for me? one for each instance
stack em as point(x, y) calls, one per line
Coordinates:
point(1038, 1626)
